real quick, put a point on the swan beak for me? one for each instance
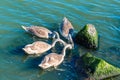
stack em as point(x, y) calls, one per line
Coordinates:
point(23, 49)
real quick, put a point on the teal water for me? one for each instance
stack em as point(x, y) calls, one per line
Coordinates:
point(15, 65)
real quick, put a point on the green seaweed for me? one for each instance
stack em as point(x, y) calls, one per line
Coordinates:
point(88, 37)
point(98, 68)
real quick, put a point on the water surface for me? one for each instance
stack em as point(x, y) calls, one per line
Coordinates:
point(15, 65)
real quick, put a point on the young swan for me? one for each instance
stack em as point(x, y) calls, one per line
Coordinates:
point(54, 59)
point(38, 31)
point(39, 47)
point(66, 30)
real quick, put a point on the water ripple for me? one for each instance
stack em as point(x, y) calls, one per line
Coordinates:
point(105, 15)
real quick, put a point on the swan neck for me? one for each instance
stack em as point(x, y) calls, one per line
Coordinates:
point(64, 49)
point(71, 40)
point(58, 40)
point(57, 35)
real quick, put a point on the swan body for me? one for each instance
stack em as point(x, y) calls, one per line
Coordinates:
point(54, 59)
point(40, 32)
point(39, 47)
point(66, 28)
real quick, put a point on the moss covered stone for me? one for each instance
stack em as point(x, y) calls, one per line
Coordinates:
point(98, 68)
point(88, 37)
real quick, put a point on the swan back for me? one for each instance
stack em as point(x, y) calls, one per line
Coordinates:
point(66, 27)
point(41, 32)
point(52, 59)
point(37, 47)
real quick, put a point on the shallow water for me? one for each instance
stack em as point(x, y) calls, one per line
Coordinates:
point(15, 65)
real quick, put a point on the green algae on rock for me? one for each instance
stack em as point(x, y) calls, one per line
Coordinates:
point(88, 37)
point(98, 68)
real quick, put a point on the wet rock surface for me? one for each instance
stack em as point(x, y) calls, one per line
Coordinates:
point(88, 37)
point(96, 68)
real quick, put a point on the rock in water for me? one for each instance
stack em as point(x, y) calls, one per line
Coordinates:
point(98, 68)
point(88, 37)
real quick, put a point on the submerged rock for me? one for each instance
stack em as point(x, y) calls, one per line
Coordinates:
point(98, 68)
point(88, 37)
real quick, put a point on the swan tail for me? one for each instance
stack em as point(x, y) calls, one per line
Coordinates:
point(25, 28)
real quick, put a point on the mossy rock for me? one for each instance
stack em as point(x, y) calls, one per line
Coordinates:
point(98, 68)
point(88, 37)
